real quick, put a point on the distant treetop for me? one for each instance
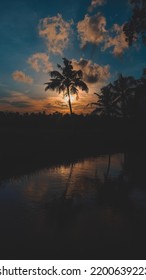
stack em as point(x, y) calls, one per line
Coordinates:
point(136, 26)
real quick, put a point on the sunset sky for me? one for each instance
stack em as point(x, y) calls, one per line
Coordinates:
point(35, 35)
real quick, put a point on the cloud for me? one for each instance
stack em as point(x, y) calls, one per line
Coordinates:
point(92, 29)
point(118, 42)
point(40, 62)
point(20, 76)
point(95, 76)
point(56, 32)
point(96, 3)
point(92, 72)
point(15, 101)
point(20, 104)
point(4, 101)
point(20, 101)
point(55, 106)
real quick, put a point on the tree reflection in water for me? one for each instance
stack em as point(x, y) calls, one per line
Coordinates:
point(93, 206)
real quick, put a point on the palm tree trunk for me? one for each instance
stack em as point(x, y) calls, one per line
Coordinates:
point(108, 167)
point(69, 101)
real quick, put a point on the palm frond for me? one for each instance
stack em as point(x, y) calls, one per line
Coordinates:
point(78, 74)
point(73, 89)
point(59, 67)
point(97, 110)
point(67, 80)
point(54, 85)
point(61, 88)
point(97, 94)
point(56, 75)
point(91, 104)
point(79, 83)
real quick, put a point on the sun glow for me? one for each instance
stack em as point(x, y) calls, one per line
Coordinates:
point(72, 98)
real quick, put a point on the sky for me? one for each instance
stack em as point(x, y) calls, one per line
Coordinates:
point(34, 37)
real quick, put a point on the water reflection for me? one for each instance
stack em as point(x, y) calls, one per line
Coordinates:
point(81, 208)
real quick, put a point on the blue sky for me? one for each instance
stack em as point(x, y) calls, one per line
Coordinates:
point(35, 35)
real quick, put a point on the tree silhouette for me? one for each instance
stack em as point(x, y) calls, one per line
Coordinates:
point(106, 104)
point(67, 81)
point(143, 78)
point(117, 98)
point(125, 89)
point(140, 95)
point(136, 26)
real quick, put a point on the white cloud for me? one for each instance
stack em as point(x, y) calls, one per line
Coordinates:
point(118, 42)
point(40, 62)
point(21, 77)
point(56, 32)
point(92, 29)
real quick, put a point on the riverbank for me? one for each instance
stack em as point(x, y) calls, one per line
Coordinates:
point(26, 147)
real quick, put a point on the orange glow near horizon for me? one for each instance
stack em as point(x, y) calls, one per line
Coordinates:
point(72, 98)
point(50, 102)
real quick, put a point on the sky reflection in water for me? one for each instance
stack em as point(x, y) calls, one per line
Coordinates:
point(47, 185)
point(72, 207)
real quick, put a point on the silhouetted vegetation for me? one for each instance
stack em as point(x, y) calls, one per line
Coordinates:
point(82, 210)
point(107, 102)
point(125, 97)
point(136, 26)
point(117, 123)
point(67, 82)
point(30, 142)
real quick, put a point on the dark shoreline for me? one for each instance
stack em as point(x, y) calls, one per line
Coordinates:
point(27, 145)
point(19, 156)
point(25, 150)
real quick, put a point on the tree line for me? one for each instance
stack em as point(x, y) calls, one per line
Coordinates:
point(125, 97)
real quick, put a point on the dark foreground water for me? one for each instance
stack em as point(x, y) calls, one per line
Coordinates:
point(94, 208)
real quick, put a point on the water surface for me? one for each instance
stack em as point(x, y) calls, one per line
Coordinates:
point(92, 208)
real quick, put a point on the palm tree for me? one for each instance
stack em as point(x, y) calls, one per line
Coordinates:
point(106, 175)
point(67, 81)
point(106, 104)
point(125, 89)
point(140, 95)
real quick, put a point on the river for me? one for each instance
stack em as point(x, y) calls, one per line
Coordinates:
point(91, 208)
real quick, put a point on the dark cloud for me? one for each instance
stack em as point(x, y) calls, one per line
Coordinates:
point(4, 101)
point(20, 104)
point(92, 72)
point(58, 105)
